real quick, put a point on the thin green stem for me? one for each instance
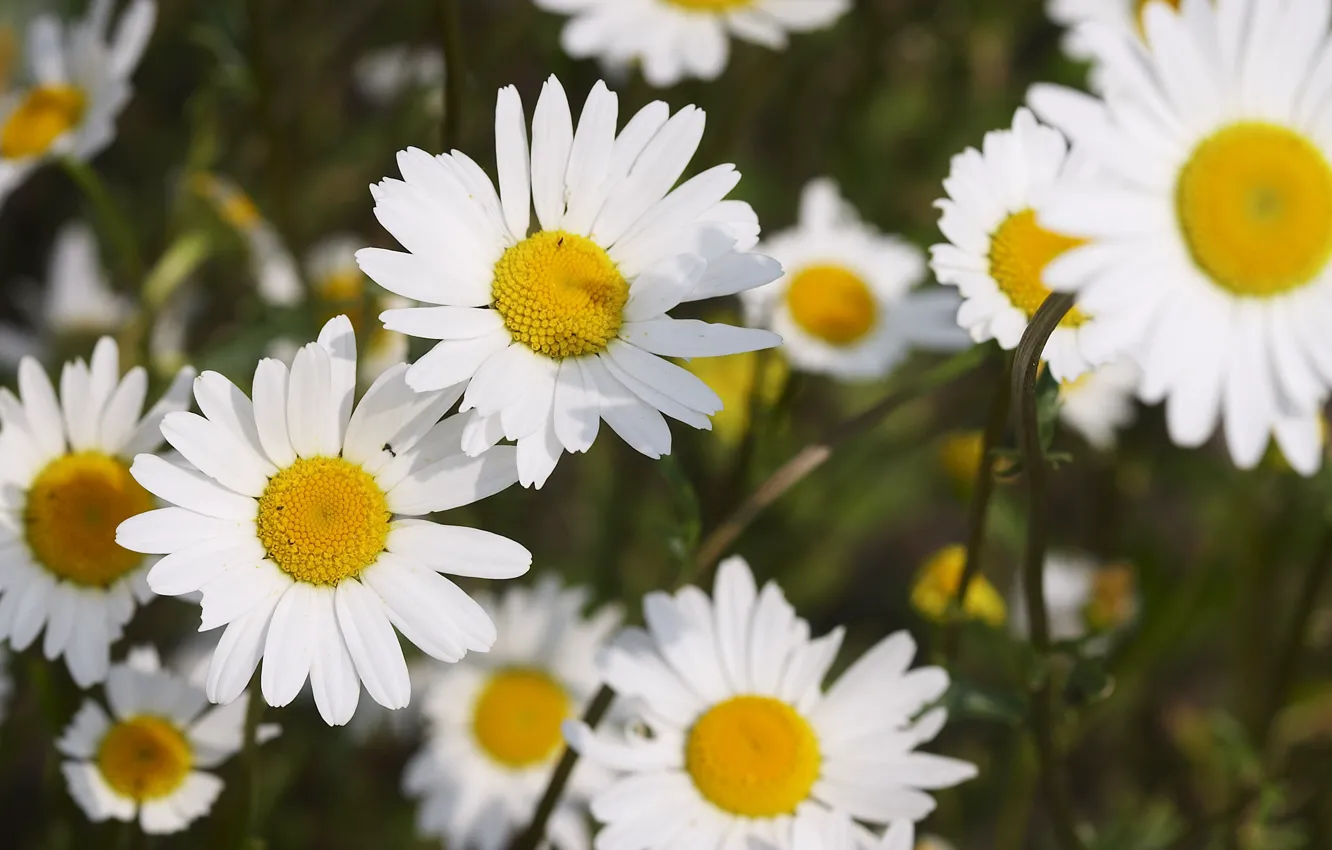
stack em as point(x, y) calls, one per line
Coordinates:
point(114, 223)
point(455, 74)
point(247, 830)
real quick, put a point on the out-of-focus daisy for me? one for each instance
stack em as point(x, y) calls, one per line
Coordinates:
point(836, 831)
point(274, 269)
point(383, 75)
point(339, 286)
point(77, 85)
point(554, 331)
point(1210, 215)
point(65, 485)
point(936, 587)
point(1100, 403)
point(736, 738)
point(960, 455)
point(844, 306)
point(77, 298)
point(1081, 597)
point(732, 378)
point(493, 723)
point(672, 40)
point(148, 759)
point(1125, 16)
point(294, 520)
point(997, 251)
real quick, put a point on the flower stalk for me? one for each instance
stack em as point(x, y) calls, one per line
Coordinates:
point(455, 71)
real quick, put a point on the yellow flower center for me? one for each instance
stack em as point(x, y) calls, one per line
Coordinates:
point(560, 294)
point(45, 114)
point(73, 508)
point(832, 303)
point(1255, 205)
point(711, 5)
point(517, 718)
point(1019, 252)
point(342, 294)
point(1112, 598)
point(144, 758)
point(323, 519)
point(936, 587)
point(753, 756)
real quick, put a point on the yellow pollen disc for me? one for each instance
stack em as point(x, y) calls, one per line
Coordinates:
point(323, 519)
point(1019, 252)
point(832, 303)
point(144, 758)
point(517, 718)
point(753, 756)
point(560, 294)
point(72, 511)
point(711, 5)
point(45, 114)
point(1255, 205)
point(1112, 598)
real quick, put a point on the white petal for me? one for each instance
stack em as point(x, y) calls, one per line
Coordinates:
point(290, 645)
point(333, 678)
point(511, 156)
point(458, 551)
point(373, 644)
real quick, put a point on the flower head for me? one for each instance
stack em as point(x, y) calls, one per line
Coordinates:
point(937, 583)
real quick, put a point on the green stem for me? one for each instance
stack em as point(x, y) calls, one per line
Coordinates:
point(455, 74)
point(249, 790)
point(1287, 665)
point(114, 223)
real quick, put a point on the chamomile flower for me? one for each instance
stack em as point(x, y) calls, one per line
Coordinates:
point(77, 86)
point(556, 328)
point(844, 306)
point(1100, 403)
point(384, 75)
point(65, 485)
point(836, 831)
point(274, 269)
point(936, 585)
point(339, 286)
point(295, 521)
point(1125, 16)
point(149, 758)
point(1210, 218)
point(493, 723)
point(741, 741)
point(997, 250)
point(672, 40)
point(1081, 597)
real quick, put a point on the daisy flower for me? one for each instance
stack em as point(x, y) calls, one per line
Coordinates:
point(1100, 403)
point(960, 455)
point(936, 585)
point(149, 758)
point(383, 75)
point(844, 306)
point(1124, 16)
point(997, 251)
point(673, 40)
point(1081, 597)
point(736, 740)
point(294, 518)
point(65, 485)
point(339, 286)
point(557, 329)
point(1210, 215)
point(836, 831)
point(274, 269)
point(78, 84)
point(493, 724)
point(732, 378)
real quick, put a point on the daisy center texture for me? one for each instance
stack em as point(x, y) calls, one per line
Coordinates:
point(1019, 252)
point(323, 519)
point(45, 114)
point(753, 756)
point(1255, 205)
point(518, 715)
point(560, 294)
point(832, 303)
point(144, 758)
point(73, 508)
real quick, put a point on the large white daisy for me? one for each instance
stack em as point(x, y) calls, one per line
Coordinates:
point(493, 723)
point(149, 758)
point(294, 521)
point(844, 305)
point(739, 740)
point(676, 39)
point(997, 251)
point(65, 485)
point(78, 84)
point(556, 329)
point(1210, 215)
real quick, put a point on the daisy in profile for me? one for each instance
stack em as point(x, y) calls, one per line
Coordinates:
point(673, 40)
point(997, 250)
point(555, 328)
point(295, 517)
point(936, 585)
point(1209, 217)
point(274, 269)
point(493, 723)
point(1082, 597)
point(1101, 403)
point(65, 485)
point(836, 831)
point(78, 82)
point(844, 306)
point(736, 738)
point(149, 758)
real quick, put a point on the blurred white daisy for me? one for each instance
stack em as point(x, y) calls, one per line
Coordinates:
point(834, 830)
point(65, 485)
point(77, 85)
point(148, 759)
point(997, 251)
point(741, 742)
point(844, 306)
point(1125, 16)
point(1210, 215)
point(1101, 403)
point(292, 519)
point(274, 269)
point(339, 286)
point(672, 40)
point(493, 723)
point(383, 75)
point(554, 331)
point(1082, 597)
